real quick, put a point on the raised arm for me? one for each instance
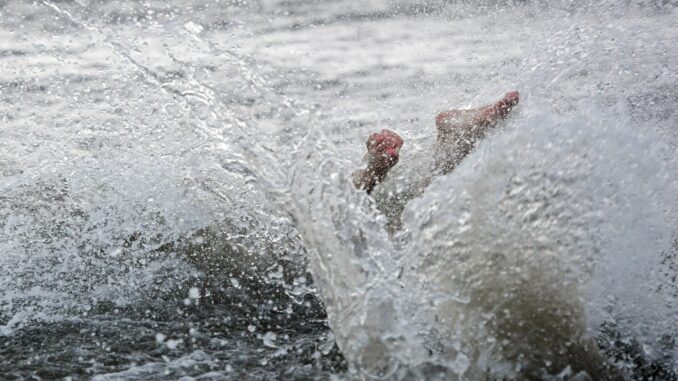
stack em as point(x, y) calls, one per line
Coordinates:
point(383, 150)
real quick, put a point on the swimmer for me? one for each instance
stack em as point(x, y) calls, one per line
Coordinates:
point(458, 132)
point(560, 343)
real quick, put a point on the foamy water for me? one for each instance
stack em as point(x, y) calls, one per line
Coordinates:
point(176, 198)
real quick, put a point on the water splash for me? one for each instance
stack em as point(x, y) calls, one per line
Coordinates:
point(510, 261)
point(510, 265)
point(183, 175)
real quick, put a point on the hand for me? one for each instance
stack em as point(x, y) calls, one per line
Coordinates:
point(383, 150)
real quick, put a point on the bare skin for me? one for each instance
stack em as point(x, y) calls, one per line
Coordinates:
point(458, 132)
point(383, 152)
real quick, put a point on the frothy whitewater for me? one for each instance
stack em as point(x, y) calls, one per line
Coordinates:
point(176, 203)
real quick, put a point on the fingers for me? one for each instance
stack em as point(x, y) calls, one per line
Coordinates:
point(386, 137)
point(392, 154)
point(383, 150)
point(382, 153)
point(396, 139)
point(374, 140)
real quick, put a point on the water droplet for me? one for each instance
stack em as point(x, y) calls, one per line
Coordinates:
point(172, 344)
point(193, 28)
point(194, 293)
point(269, 339)
point(235, 283)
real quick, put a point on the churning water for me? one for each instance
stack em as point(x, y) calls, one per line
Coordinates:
point(176, 203)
